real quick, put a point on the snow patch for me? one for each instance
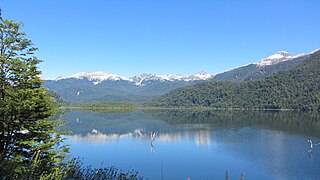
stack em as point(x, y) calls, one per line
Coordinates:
point(95, 77)
point(279, 57)
point(141, 79)
point(95, 82)
point(79, 92)
point(203, 75)
point(314, 51)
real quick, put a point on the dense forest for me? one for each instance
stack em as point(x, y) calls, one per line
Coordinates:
point(297, 88)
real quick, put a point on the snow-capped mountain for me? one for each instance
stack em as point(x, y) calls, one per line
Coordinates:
point(202, 75)
point(103, 86)
point(280, 61)
point(140, 80)
point(95, 77)
point(279, 57)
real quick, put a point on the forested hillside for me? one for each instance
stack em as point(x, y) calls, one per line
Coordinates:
point(254, 71)
point(92, 87)
point(298, 88)
point(84, 91)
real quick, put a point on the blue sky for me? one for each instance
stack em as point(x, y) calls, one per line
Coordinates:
point(129, 37)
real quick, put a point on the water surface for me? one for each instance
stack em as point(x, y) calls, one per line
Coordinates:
point(199, 144)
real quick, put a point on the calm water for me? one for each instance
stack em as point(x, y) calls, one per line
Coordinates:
point(199, 144)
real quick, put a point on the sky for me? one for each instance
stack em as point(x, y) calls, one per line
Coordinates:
point(131, 37)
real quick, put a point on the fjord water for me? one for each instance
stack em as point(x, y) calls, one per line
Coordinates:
point(199, 144)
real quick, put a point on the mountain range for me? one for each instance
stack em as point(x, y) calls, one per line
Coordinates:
point(140, 80)
point(108, 87)
point(294, 88)
point(280, 61)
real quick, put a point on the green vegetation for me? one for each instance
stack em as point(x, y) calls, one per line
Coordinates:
point(107, 107)
point(295, 122)
point(58, 100)
point(28, 140)
point(84, 91)
point(117, 107)
point(297, 88)
point(112, 173)
point(31, 145)
point(254, 72)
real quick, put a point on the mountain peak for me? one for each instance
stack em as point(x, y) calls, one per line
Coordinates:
point(95, 77)
point(275, 59)
point(203, 75)
point(139, 79)
point(278, 55)
point(98, 77)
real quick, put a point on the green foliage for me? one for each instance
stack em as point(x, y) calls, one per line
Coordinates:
point(28, 140)
point(84, 91)
point(107, 107)
point(296, 122)
point(103, 173)
point(58, 100)
point(298, 88)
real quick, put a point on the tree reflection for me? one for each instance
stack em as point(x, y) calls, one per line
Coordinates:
point(175, 125)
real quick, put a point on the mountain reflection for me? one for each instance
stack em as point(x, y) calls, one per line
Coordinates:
point(177, 125)
point(267, 144)
point(200, 138)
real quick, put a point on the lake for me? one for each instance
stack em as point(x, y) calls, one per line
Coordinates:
point(177, 144)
